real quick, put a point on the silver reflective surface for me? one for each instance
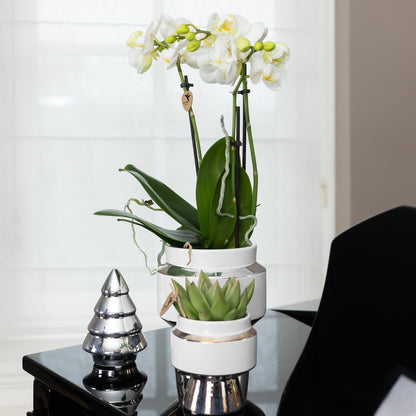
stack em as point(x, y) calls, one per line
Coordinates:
point(212, 395)
point(115, 330)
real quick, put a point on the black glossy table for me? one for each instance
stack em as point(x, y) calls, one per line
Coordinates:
point(61, 386)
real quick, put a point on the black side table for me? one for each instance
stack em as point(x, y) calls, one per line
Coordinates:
point(63, 377)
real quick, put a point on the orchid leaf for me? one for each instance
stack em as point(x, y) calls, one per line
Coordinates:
point(218, 218)
point(246, 196)
point(168, 200)
point(210, 171)
point(176, 238)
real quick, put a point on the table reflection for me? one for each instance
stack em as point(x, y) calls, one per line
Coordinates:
point(120, 386)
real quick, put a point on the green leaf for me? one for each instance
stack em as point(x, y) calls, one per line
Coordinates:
point(218, 231)
point(174, 205)
point(207, 188)
point(226, 286)
point(212, 293)
point(187, 307)
point(250, 291)
point(181, 290)
point(199, 302)
point(223, 226)
point(233, 294)
point(204, 280)
point(246, 196)
point(175, 238)
point(230, 316)
point(242, 306)
point(220, 307)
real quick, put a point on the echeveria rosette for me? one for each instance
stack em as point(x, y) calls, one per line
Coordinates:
point(208, 301)
point(229, 51)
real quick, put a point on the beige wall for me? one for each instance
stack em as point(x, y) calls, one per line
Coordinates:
point(376, 107)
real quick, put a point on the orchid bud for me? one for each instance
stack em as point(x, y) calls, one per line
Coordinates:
point(170, 39)
point(243, 44)
point(183, 29)
point(269, 46)
point(131, 41)
point(258, 46)
point(193, 45)
point(190, 36)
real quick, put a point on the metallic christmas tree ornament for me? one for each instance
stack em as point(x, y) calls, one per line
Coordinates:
point(114, 331)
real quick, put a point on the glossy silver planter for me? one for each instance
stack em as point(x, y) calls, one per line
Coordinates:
point(212, 395)
point(212, 361)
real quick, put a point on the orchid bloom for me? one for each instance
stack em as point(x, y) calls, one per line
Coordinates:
point(270, 74)
point(278, 56)
point(236, 26)
point(142, 48)
point(168, 24)
point(219, 64)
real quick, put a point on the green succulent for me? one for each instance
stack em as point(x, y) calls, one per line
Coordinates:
point(208, 301)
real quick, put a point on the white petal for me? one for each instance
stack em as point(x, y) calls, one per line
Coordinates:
point(256, 33)
point(242, 26)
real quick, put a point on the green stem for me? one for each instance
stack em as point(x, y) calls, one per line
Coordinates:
point(235, 92)
point(191, 113)
point(251, 144)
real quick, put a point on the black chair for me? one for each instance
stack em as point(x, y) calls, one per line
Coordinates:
point(363, 335)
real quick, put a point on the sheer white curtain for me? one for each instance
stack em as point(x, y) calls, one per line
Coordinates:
point(73, 111)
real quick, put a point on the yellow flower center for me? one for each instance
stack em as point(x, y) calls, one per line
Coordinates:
point(268, 78)
point(226, 26)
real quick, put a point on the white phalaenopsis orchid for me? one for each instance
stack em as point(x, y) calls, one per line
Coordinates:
point(230, 50)
point(270, 74)
point(142, 48)
point(278, 56)
point(168, 24)
point(219, 64)
point(236, 26)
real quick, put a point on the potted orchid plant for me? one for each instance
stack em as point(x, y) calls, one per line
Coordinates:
point(231, 51)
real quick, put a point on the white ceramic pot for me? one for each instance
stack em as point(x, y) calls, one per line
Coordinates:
point(214, 348)
point(219, 264)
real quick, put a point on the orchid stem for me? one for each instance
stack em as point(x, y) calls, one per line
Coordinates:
point(191, 116)
point(250, 141)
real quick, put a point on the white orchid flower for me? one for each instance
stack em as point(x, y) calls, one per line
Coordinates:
point(219, 64)
point(168, 24)
point(237, 26)
point(142, 48)
point(278, 56)
point(170, 56)
point(270, 74)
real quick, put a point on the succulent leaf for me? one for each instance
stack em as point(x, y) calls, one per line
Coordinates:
point(250, 291)
point(203, 278)
point(220, 307)
point(230, 316)
point(187, 307)
point(242, 306)
point(212, 293)
point(226, 287)
point(207, 301)
point(233, 294)
point(198, 299)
